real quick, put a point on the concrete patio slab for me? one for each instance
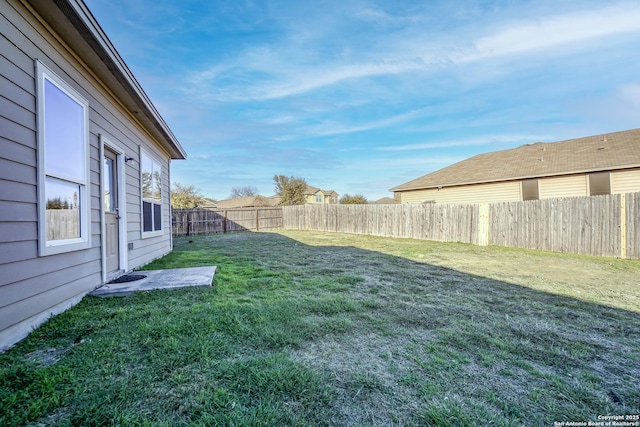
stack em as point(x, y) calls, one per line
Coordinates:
point(160, 279)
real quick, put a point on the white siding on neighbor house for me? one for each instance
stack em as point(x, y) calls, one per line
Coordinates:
point(480, 193)
point(30, 286)
point(564, 186)
point(625, 181)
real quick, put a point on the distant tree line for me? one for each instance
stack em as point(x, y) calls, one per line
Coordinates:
point(237, 192)
point(290, 189)
point(58, 203)
point(356, 199)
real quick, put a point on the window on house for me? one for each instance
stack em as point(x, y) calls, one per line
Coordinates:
point(530, 189)
point(599, 183)
point(63, 175)
point(151, 178)
point(318, 198)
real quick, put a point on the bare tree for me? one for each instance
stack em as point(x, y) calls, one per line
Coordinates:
point(247, 190)
point(291, 189)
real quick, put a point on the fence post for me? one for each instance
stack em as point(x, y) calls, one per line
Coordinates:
point(257, 219)
point(483, 224)
point(224, 223)
point(623, 226)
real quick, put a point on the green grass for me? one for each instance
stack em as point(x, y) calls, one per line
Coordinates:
point(315, 329)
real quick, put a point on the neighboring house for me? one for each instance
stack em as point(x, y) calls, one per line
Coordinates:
point(245, 202)
point(84, 164)
point(274, 200)
point(316, 196)
point(385, 201)
point(207, 203)
point(593, 165)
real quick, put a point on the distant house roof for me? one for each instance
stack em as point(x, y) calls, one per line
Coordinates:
point(206, 202)
point(313, 190)
point(385, 201)
point(274, 200)
point(244, 202)
point(612, 151)
point(74, 23)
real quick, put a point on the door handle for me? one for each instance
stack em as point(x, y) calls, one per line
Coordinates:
point(117, 213)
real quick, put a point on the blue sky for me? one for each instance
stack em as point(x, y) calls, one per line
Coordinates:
point(359, 96)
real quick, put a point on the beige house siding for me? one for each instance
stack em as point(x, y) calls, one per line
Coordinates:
point(33, 287)
point(480, 193)
point(326, 198)
point(552, 187)
point(625, 181)
point(311, 198)
point(564, 186)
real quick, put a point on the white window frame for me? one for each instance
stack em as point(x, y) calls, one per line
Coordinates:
point(152, 233)
point(43, 73)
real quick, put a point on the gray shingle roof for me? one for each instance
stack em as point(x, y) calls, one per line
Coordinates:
point(244, 202)
point(612, 151)
point(311, 190)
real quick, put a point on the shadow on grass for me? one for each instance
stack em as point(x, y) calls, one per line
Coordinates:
point(297, 332)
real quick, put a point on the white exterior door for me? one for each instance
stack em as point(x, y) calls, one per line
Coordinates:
point(111, 211)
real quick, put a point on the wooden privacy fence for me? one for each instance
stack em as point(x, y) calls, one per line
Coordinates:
point(457, 223)
point(191, 222)
point(598, 225)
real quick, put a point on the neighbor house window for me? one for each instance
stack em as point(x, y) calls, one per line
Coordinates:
point(599, 183)
point(63, 167)
point(318, 198)
point(151, 176)
point(530, 189)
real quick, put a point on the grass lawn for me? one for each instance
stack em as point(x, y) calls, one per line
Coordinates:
point(311, 329)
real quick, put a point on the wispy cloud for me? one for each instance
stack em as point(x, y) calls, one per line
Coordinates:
point(555, 31)
point(268, 73)
point(426, 163)
point(289, 80)
point(482, 140)
point(630, 94)
point(331, 128)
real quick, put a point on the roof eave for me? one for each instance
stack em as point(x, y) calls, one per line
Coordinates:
point(517, 178)
point(74, 23)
